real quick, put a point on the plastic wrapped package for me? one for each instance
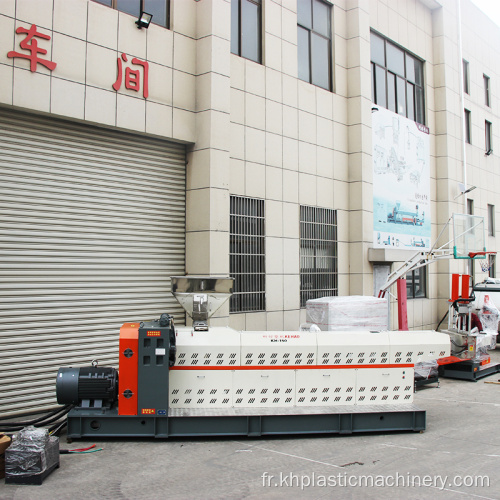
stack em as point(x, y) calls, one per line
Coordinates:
point(32, 456)
point(426, 370)
point(484, 343)
point(4, 444)
point(348, 313)
point(309, 327)
point(489, 315)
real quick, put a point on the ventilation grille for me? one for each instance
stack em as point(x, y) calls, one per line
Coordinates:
point(278, 358)
point(338, 356)
point(204, 356)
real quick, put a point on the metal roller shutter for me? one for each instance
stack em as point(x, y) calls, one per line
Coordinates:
point(92, 226)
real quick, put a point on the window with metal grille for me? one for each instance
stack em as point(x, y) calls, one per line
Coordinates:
point(397, 79)
point(318, 253)
point(416, 284)
point(314, 42)
point(160, 9)
point(247, 254)
point(246, 21)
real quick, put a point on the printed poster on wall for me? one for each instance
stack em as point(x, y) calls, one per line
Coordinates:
point(401, 182)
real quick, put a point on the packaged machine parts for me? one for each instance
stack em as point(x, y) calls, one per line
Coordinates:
point(348, 313)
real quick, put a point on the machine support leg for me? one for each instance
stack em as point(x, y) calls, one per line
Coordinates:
point(402, 304)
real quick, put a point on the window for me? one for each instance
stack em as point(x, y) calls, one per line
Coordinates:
point(160, 9)
point(314, 42)
point(318, 253)
point(246, 29)
point(397, 79)
point(247, 254)
point(416, 284)
point(470, 262)
point(465, 70)
point(486, 80)
point(492, 263)
point(487, 137)
point(491, 220)
point(467, 126)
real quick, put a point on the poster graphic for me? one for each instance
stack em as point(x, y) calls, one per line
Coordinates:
point(401, 182)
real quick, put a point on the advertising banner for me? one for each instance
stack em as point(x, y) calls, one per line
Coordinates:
point(401, 182)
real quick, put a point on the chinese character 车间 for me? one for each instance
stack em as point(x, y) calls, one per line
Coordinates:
point(132, 76)
point(31, 44)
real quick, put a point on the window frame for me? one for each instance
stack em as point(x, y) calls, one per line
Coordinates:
point(247, 233)
point(318, 251)
point(488, 137)
point(114, 6)
point(491, 220)
point(411, 283)
point(467, 118)
point(487, 97)
point(492, 261)
point(310, 32)
point(238, 51)
point(471, 268)
point(466, 76)
point(393, 82)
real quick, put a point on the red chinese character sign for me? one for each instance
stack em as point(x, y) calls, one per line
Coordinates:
point(30, 43)
point(133, 76)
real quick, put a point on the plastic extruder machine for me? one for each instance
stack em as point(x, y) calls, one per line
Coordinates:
point(199, 380)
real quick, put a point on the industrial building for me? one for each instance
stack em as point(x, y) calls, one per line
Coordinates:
point(304, 147)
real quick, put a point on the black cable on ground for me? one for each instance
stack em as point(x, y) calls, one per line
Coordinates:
point(40, 419)
point(51, 418)
point(29, 414)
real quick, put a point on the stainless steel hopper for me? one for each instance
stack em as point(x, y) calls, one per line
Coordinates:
point(201, 296)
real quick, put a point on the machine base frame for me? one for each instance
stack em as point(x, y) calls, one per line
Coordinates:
point(85, 423)
point(468, 370)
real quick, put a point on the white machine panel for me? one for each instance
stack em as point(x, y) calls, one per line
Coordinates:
point(353, 348)
point(325, 387)
point(200, 389)
point(278, 348)
point(377, 386)
point(418, 346)
point(217, 347)
point(263, 388)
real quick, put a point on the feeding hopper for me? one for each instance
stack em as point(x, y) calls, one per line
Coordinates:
point(201, 296)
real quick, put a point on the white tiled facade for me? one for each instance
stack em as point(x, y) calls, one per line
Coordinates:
point(256, 130)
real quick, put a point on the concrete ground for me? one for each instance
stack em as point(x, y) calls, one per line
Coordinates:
point(458, 456)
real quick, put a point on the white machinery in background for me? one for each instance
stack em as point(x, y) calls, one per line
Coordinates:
point(468, 346)
point(199, 380)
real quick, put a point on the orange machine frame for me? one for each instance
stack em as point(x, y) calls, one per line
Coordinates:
point(127, 381)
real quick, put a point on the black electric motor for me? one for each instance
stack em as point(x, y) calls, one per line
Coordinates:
point(89, 387)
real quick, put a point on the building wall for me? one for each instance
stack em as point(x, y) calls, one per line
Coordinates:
point(256, 130)
point(86, 40)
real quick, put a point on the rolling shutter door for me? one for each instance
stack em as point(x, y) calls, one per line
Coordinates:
point(92, 226)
